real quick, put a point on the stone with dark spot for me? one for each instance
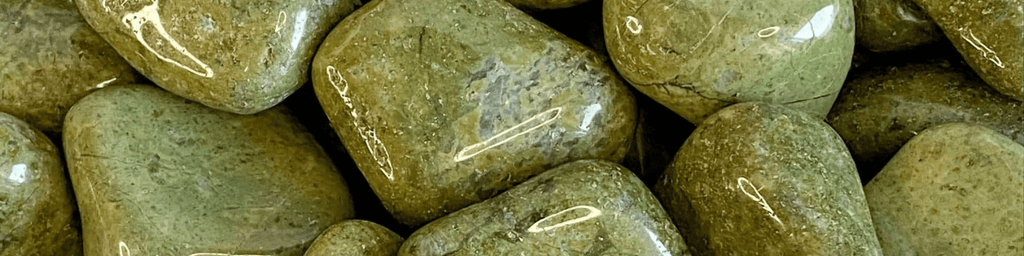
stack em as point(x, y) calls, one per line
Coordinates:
point(659, 134)
point(443, 104)
point(762, 179)
point(356, 238)
point(545, 4)
point(954, 189)
point(587, 207)
point(893, 25)
point(696, 57)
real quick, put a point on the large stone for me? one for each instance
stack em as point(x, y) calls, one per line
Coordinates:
point(990, 36)
point(156, 174)
point(356, 238)
point(238, 56)
point(443, 104)
point(51, 59)
point(955, 189)
point(696, 57)
point(893, 25)
point(883, 107)
point(587, 207)
point(36, 205)
point(761, 179)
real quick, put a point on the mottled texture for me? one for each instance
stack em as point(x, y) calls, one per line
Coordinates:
point(696, 57)
point(882, 107)
point(587, 207)
point(443, 104)
point(239, 56)
point(893, 25)
point(955, 189)
point(545, 4)
point(156, 174)
point(761, 179)
point(49, 59)
point(36, 207)
point(356, 238)
point(990, 36)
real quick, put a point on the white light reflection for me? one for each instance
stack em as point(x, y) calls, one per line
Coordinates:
point(300, 20)
point(657, 243)
point(18, 173)
point(588, 116)
point(819, 24)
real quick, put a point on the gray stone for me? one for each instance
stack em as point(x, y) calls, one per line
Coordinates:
point(356, 238)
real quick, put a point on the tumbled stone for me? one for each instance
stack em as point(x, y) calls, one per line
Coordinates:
point(36, 207)
point(954, 189)
point(237, 56)
point(587, 207)
point(355, 238)
point(893, 25)
point(156, 174)
point(696, 57)
point(545, 4)
point(881, 108)
point(443, 104)
point(990, 36)
point(51, 59)
point(762, 179)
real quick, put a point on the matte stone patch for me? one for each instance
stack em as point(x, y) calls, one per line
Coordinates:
point(156, 174)
point(356, 238)
point(893, 25)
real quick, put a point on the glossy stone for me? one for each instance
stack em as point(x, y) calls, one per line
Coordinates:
point(51, 59)
point(587, 207)
point(36, 207)
point(355, 238)
point(696, 57)
point(443, 104)
point(156, 174)
point(893, 25)
point(955, 189)
point(883, 107)
point(762, 179)
point(545, 4)
point(238, 56)
point(990, 36)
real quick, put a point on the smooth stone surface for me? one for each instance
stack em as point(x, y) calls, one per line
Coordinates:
point(696, 57)
point(51, 59)
point(955, 189)
point(893, 25)
point(990, 36)
point(761, 179)
point(356, 238)
point(36, 205)
point(237, 56)
point(587, 207)
point(443, 104)
point(883, 107)
point(156, 174)
point(545, 4)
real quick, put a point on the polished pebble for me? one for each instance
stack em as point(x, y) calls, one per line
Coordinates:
point(894, 25)
point(356, 238)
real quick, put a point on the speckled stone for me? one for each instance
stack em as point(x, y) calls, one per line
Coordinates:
point(237, 56)
point(696, 57)
point(36, 207)
point(955, 189)
point(156, 174)
point(881, 108)
point(893, 25)
point(443, 104)
point(545, 4)
point(587, 207)
point(762, 179)
point(356, 238)
point(50, 59)
point(990, 36)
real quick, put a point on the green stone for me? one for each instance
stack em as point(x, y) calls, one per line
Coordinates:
point(156, 174)
point(696, 57)
point(443, 104)
point(990, 36)
point(356, 238)
point(883, 107)
point(50, 59)
point(762, 179)
point(954, 189)
point(36, 205)
point(893, 25)
point(587, 207)
point(237, 56)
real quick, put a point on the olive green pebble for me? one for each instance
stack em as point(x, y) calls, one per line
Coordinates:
point(356, 238)
point(36, 205)
point(893, 25)
point(954, 189)
point(587, 207)
point(156, 174)
point(443, 104)
point(762, 179)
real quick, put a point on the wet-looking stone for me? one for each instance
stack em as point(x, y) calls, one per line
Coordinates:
point(893, 25)
point(356, 238)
